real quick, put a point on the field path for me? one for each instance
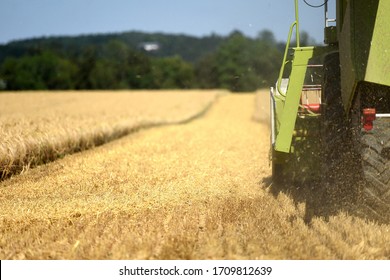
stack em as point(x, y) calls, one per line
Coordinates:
point(200, 190)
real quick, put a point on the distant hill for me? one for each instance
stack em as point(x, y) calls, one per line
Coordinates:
point(189, 48)
point(137, 60)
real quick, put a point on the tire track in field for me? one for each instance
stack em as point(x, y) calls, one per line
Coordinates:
point(193, 191)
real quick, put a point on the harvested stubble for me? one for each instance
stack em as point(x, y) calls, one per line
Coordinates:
point(39, 127)
point(193, 191)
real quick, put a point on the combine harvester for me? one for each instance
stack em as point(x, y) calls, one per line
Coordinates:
point(330, 108)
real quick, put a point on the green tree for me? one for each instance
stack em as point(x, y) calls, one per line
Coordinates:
point(206, 72)
point(41, 71)
point(85, 65)
point(235, 64)
point(116, 54)
point(139, 71)
point(55, 72)
point(21, 73)
point(241, 63)
point(172, 72)
point(102, 76)
point(120, 67)
point(267, 61)
point(267, 37)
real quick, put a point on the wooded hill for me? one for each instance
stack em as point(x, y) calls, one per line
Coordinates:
point(187, 47)
point(135, 60)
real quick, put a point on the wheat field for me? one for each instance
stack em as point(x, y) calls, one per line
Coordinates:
point(199, 190)
point(38, 127)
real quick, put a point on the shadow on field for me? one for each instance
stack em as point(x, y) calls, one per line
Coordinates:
point(322, 200)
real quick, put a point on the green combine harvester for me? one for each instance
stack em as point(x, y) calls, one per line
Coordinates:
point(330, 107)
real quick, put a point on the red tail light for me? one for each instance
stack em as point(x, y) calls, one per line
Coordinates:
point(369, 116)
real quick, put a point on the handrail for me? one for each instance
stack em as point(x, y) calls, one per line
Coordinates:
point(285, 59)
point(296, 25)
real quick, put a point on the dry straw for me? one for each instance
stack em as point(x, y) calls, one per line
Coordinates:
point(196, 191)
point(40, 127)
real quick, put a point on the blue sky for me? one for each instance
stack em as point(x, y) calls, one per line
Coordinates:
point(21, 19)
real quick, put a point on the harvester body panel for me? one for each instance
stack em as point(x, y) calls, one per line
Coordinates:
point(364, 45)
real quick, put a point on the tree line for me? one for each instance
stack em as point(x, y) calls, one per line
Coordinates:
point(235, 62)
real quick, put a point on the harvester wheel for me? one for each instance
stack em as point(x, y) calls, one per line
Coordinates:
point(375, 158)
point(355, 163)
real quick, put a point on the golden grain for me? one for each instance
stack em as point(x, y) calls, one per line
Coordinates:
point(194, 191)
point(38, 127)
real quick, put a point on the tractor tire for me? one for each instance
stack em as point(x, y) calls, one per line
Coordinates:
point(375, 159)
